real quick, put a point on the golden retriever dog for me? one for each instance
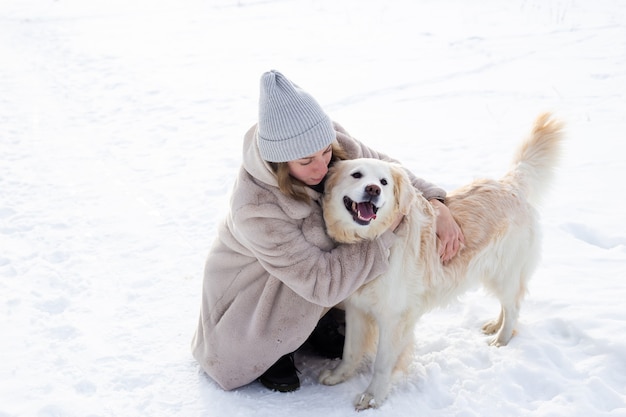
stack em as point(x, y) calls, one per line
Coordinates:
point(502, 247)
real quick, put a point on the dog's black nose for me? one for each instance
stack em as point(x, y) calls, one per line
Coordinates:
point(373, 190)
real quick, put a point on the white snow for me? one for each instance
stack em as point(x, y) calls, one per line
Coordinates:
point(121, 125)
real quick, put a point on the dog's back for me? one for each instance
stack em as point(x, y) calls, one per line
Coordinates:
point(499, 221)
point(486, 209)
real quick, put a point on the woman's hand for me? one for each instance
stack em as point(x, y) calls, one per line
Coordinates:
point(448, 231)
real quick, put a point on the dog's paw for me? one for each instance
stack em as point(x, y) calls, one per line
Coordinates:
point(331, 377)
point(501, 339)
point(365, 401)
point(496, 342)
point(492, 327)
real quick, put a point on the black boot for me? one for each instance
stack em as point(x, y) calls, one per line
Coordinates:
point(282, 376)
point(326, 339)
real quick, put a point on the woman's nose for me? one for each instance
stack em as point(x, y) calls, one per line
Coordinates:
point(320, 165)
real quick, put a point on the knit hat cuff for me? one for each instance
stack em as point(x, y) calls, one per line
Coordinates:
point(299, 146)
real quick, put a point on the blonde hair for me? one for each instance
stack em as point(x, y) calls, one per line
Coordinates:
point(293, 187)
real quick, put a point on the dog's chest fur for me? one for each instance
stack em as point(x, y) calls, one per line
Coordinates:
point(403, 283)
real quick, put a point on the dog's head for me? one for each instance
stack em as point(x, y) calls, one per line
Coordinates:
point(363, 197)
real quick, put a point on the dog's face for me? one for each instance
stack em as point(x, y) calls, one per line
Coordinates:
point(363, 197)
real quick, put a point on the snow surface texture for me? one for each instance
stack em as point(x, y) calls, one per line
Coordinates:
point(120, 134)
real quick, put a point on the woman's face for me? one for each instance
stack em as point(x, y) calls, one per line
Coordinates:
point(311, 169)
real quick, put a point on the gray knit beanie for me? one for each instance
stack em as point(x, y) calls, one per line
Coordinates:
point(292, 125)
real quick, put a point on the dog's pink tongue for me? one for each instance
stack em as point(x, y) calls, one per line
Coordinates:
point(366, 211)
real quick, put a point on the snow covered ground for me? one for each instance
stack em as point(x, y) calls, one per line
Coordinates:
point(120, 133)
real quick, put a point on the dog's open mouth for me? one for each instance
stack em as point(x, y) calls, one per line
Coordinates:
point(362, 213)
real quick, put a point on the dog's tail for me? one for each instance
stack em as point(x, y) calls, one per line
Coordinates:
point(537, 157)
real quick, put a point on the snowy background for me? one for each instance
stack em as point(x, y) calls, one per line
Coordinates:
point(121, 125)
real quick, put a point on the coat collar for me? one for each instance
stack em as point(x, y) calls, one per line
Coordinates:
point(252, 161)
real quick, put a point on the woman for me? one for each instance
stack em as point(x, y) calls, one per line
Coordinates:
point(272, 271)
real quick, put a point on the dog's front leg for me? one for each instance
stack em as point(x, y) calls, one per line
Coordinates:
point(508, 318)
point(393, 340)
point(357, 330)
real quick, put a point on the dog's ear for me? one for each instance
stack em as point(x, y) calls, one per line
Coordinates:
point(403, 189)
point(331, 180)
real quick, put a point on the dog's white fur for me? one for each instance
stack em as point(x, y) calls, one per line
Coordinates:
point(499, 220)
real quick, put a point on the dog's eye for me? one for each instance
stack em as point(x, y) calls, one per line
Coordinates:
point(383, 181)
point(357, 175)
